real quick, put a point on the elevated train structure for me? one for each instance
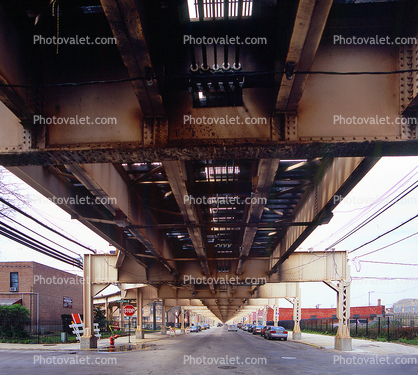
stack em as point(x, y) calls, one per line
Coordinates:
point(211, 160)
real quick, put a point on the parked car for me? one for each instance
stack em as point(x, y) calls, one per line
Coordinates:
point(245, 327)
point(275, 332)
point(207, 326)
point(232, 327)
point(251, 327)
point(220, 324)
point(263, 331)
point(257, 330)
point(194, 329)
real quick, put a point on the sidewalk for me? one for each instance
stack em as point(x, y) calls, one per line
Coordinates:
point(102, 343)
point(359, 345)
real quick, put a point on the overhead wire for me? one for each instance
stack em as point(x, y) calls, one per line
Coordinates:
point(369, 208)
point(44, 225)
point(254, 73)
point(40, 235)
point(384, 234)
point(377, 213)
point(22, 238)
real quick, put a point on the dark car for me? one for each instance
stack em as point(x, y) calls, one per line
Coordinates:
point(263, 331)
point(251, 328)
point(257, 330)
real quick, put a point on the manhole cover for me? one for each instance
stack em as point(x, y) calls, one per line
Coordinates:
point(227, 367)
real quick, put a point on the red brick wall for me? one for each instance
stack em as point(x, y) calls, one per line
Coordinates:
point(51, 284)
point(286, 313)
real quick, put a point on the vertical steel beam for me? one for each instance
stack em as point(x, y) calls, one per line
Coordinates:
point(88, 340)
point(139, 334)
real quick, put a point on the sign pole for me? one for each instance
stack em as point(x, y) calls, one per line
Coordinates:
point(129, 330)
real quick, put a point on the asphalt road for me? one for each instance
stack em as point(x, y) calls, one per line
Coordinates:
point(215, 351)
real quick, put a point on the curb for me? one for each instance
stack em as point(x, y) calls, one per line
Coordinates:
point(308, 343)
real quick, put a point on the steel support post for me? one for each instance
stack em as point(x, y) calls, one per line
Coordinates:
point(163, 325)
point(88, 340)
point(265, 310)
point(182, 319)
point(276, 312)
point(343, 340)
point(296, 335)
point(139, 333)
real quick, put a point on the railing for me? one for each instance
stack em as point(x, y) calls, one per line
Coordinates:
point(390, 328)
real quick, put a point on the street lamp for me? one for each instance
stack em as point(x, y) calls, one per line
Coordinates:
point(369, 296)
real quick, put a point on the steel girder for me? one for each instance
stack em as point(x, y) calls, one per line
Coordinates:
point(337, 178)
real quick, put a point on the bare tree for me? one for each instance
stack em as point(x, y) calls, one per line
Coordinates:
point(10, 191)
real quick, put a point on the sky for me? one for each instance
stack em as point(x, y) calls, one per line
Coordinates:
point(388, 282)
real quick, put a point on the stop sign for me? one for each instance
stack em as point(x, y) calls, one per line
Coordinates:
point(129, 310)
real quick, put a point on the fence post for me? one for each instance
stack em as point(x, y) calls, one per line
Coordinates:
point(367, 327)
point(356, 326)
point(378, 328)
point(388, 329)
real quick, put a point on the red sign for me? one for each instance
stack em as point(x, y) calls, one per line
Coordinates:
point(129, 310)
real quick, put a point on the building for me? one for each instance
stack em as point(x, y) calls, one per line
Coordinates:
point(47, 292)
point(286, 313)
point(406, 306)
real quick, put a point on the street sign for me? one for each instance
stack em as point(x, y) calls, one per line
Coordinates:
point(129, 310)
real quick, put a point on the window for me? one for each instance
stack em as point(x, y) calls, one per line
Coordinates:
point(14, 281)
point(214, 9)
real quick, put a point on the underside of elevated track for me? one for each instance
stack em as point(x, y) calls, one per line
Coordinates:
point(206, 160)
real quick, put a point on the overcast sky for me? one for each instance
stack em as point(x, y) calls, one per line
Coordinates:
point(385, 181)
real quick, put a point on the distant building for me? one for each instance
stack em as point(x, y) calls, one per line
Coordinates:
point(47, 292)
point(407, 306)
point(356, 312)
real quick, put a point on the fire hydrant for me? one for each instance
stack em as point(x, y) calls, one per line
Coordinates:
point(112, 339)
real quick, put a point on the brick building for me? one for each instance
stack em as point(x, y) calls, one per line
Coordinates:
point(52, 291)
point(286, 313)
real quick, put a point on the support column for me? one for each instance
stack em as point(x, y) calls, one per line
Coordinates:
point(163, 326)
point(276, 312)
point(297, 334)
point(182, 320)
point(121, 317)
point(343, 340)
point(88, 340)
point(139, 333)
point(265, 310)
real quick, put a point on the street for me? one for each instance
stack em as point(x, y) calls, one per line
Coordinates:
point(214, 351)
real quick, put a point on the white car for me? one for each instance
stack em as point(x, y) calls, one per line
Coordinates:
point(275, 332)
point(232, 327)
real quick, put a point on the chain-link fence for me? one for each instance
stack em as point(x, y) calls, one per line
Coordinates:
point(390, 328)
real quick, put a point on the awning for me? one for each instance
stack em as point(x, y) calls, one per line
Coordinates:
point(10, 301)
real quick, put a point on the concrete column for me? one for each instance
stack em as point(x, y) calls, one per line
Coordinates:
point(88, 340)
point(182, 319)
point(163, 326)
point(276, 312)
point(121, 317)
point(265, 310)
point(296, 335)
point(139, 333)
point(343, 340)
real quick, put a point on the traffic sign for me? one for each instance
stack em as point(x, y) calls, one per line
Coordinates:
point(129, 310)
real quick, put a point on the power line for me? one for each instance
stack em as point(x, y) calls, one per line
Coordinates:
point(384, 247)
point(397, 264)
point(235, 74)
point(44, 225)
point(40, 235)
point(17, 236)
point(384, 234)
point(366, 209)
point(377, 213)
